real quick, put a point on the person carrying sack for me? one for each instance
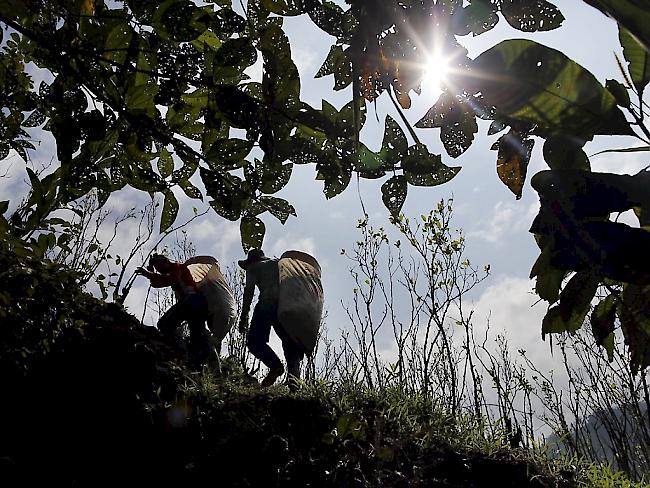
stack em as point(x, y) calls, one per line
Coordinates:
point(191, 305)
point(263, 272)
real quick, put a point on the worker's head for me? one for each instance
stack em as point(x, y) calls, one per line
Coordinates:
point(159, 262)
point(254, 256)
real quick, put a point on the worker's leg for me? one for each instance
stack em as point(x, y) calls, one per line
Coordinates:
point(199, 347)
point(258, 337)
point(293, 353)
point(170, 323)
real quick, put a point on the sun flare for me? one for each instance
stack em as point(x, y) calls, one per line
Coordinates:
point(436, 73)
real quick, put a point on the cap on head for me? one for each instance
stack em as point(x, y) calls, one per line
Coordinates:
point(254, 256)
point(157, 259)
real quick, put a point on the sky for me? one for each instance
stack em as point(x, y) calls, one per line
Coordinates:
point(494, 222)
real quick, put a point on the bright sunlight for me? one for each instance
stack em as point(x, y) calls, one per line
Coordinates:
point(435, 74)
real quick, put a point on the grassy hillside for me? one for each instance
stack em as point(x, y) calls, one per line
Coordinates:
point(92, 398)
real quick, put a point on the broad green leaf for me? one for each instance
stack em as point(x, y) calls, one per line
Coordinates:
point(562, 152)
point(252, 231)
point(4, 206)
point(603, 324)
point(395, 145)
point(456, 120)
point(631, 14)
point(576, 297)
point(528, 81)
point(638, 60)
point(549, 278)
point(165, 163)
point(206, 41)
point(338, 64)
point(369, 161)
point(190, 190)
point(280, 79)
point(481, 16)
point(232, 58)
point(284, 7)
point(531, 16)
point(279, 208)
point(328, 16)
point(393, 193)
point(118, 42)
point(634, 313)
point(229, 153)
point(169, 212)
point(275, 176)
point(422, 168)
point(230, 195)
point(512, 161)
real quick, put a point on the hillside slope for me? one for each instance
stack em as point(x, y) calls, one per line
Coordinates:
point(92, 398)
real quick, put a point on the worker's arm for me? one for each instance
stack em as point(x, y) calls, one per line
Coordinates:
point(249, 291)
point(160, 280)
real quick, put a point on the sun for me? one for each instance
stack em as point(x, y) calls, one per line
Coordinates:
point(436, 73)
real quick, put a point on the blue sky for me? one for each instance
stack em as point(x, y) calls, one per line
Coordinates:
point(496, 225)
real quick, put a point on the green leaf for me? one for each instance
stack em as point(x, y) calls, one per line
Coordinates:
point(230, 195)
point(562, 152)
point(279, 208)
point(534, 83)
point(576, 298)
point(338, 64)
point(280, 79)
point(619, 91)
point(275, 176)
point(284, 7)
point(422, 168)
point(207, 41)
point(631, 14)
point(634, 313)
point(169, 212)
point(456, 120)
point(531, 16)
point(228, 153)
point(165, 163)
point(549, 278)
point(481, 16)
point(190, 190)
point(4, 206)
point(252, 232)
point(393, 193)
point(512, 161)
point(395, 145)
point(603, 324)
point(638, 60)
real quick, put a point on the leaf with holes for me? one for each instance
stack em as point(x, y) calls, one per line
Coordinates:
point(532, 16)
point(279, 208)
point(252, 231)
point(165, 163)
point(512, 160)
point(393, 193)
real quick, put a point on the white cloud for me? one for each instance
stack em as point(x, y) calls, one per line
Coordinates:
point(305, 244)
point(510, 309)
point(506, 218)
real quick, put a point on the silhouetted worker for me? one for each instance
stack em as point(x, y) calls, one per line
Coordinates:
point(263, 272)
point(191, 305)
